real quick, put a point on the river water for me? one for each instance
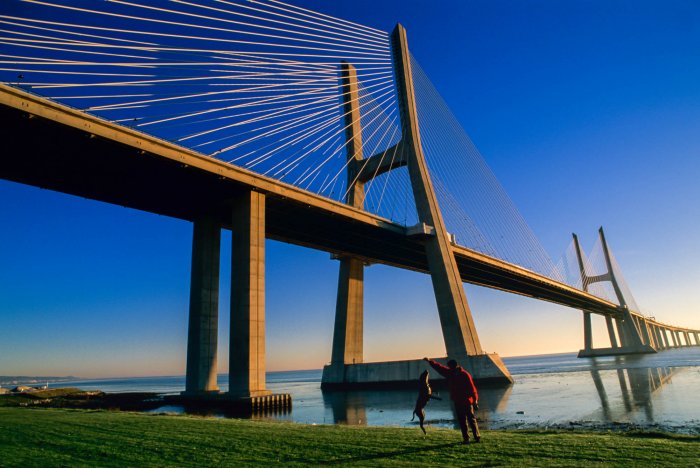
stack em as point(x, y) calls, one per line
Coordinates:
point(658, 391)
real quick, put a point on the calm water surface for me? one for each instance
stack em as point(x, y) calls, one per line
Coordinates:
point(652, 391)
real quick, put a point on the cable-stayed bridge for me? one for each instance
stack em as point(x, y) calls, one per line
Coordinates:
point(279, 122)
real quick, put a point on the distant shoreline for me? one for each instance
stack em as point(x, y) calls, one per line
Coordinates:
point(15, 380)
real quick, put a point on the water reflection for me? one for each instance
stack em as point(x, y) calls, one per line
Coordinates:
point(623, 395)
point(363, 407)
point(637, 386)
point(347, 407)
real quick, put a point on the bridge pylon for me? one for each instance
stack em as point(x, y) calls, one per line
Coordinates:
point(349, 313)
point(632, 329)
point(458, 329)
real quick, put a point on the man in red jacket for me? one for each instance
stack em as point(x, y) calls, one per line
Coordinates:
point(463, 394)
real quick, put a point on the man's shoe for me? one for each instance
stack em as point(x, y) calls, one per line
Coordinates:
point(477, 439)
point(465, 441)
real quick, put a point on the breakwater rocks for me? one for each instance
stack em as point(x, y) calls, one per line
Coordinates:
point(214, 405)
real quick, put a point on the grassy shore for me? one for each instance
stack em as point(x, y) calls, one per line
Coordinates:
point(53, 437)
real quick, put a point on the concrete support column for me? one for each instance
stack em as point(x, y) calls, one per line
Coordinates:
point(650, 334)
point(621, 332)
point(697, 339)
point(611, 331)
point(642, 325)
point(687, 339)
point(247, 342)
point(348, 331)
point(674, 338)
point(204, 308)
point(632, 331)
point(659, 337)
point(587, 332)
point(652, 328)
point(655, 337)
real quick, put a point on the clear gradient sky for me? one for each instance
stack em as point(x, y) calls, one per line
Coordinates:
point(588, 112)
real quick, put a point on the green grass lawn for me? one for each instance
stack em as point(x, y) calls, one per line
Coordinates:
point(58, 437)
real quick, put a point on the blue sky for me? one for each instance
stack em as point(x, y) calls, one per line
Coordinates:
point(587, 112)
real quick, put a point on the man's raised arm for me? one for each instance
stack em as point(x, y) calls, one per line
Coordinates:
point(442, 370)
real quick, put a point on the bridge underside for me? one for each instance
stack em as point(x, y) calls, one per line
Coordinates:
point(57, 156)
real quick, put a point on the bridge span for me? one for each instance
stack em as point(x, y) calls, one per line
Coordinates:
point(53, 146)
point(86, 156)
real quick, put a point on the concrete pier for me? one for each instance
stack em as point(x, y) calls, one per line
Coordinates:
point(662, 337)
point(632, 332)
point(487, 369)
point(587, 331)
point(204, 309)
point(247, 342)
point(620, 351)
point(245, 406)
point(348, 330)
point(247, 393)
point(611, 331)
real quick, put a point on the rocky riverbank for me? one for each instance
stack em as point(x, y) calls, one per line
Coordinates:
point(76, 398)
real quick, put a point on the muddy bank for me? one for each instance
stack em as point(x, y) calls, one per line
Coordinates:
point(80, 399)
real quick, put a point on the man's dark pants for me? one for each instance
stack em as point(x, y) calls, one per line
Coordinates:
point(465, 414)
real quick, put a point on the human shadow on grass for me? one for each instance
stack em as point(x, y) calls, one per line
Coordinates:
point(394, 453)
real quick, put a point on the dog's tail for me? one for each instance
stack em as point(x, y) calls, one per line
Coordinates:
point(414, 415)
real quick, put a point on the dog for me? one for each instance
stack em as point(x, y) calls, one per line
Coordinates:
point(425, 394)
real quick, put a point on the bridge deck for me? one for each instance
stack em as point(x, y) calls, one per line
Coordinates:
point(49, 145)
